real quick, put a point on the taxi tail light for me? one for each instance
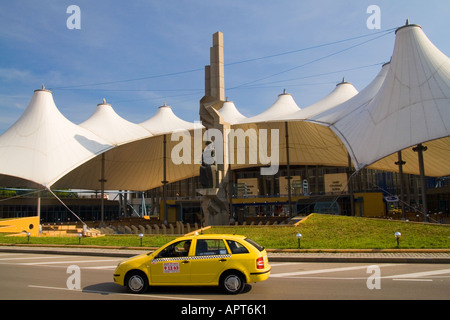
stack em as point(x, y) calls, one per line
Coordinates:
point(260, 263)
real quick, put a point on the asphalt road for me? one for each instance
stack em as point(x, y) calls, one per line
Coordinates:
point(53, 277)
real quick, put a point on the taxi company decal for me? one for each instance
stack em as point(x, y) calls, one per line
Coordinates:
point(171, 267)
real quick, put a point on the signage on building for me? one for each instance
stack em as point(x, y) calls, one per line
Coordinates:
point(247, 187)
point(296, 185)
point(335, 182)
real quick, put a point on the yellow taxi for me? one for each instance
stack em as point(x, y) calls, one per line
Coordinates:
point(229, 261)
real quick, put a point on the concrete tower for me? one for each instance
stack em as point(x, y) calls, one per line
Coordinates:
point(214, 72)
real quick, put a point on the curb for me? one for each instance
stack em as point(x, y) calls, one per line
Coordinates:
point(425, 260)
point(69, 246)
point(441, 256)
point(69, 253)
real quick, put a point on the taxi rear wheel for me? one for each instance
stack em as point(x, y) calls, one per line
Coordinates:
point(136, 282)
point(232, 282)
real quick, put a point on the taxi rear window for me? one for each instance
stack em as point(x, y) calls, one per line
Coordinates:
point(236, 247)
point(253, 243)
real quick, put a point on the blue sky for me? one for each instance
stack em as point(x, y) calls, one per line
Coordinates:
point(139, 54)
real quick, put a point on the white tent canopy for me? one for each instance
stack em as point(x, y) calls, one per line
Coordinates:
point(331, 115)
point(107, 124)
point(230, 113)
point(342, 92)
point(436, 157)
point(139, 165)
point(284, 105)
point(43, 146)
point(407, 103)
point(412, 105)
point(309, 143)
point(165, 121)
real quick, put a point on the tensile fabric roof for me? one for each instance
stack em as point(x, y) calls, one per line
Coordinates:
point(42, 146)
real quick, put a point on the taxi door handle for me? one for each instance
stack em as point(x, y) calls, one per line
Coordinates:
point(185, 261)
point(223, 260)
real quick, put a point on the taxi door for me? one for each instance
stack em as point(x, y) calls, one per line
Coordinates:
point(210, 259)
point(171, 265)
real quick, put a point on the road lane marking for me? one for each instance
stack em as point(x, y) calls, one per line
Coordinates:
point(116, 293)
point(31, 258)
point(65, 262)
point(101, 267)
point(302, 273)
point(284, 264)
point(420, 274)
point(405, 279)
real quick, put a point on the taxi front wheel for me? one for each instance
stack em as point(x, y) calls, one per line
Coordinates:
point(232, 282)
point(136, 282)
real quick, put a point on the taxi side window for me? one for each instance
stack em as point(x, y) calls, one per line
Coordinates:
point(236, 247)
point(178, 249)
point(209, 247)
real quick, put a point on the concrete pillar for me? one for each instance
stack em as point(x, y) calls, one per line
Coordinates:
point(217, 78)
point(215, 204)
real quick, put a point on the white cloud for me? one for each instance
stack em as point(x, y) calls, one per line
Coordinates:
point(12, 74)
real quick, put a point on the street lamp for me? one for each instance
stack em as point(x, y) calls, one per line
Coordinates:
point(79, 237)
point(28, 237)
point(397, 236)
point(299, 236)
point(141, 235)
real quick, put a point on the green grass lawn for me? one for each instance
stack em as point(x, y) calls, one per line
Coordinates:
point(318, 231)
point(107, 240)
point(341, 232)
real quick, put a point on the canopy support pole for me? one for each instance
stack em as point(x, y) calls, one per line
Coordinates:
point(400, 164)
point(164, 182)
point(350, 187)
point(230, 190)
point(288, 166)
point(420, 149)
point(102, 181)
point(38, 207)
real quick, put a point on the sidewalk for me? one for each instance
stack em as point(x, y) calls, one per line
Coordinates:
point(362, 256)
